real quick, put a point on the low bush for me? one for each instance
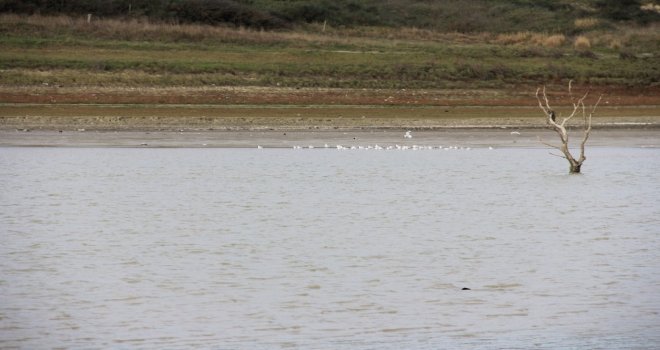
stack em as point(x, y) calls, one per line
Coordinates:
point(582, 43)
point(586, 23)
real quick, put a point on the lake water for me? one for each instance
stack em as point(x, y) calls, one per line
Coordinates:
point(328, 249)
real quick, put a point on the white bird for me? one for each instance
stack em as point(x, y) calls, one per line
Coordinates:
point(407, 135)
point(259, 147)
point(515, 133)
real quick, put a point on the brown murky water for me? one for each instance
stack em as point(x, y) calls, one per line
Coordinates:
point(327, 249)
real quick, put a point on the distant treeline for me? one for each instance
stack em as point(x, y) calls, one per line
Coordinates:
point(446, 15)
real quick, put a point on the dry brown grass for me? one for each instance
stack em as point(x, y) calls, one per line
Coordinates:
point(581, 42)
point(403, 34)
point(640, 38)
point(651, 7)
point(556, 40)
point(142, 29)
point(513, 38)
point(586, 23)
point(608, 40)
point(530, 38)
point(647, 37)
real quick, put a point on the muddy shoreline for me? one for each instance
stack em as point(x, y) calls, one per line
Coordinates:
point(315, 139)
point(102, 117)
point(72, 110)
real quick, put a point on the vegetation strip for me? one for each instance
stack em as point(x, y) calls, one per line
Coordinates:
point(68, 51)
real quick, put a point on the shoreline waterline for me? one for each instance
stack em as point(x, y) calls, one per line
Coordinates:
point(195, 117)
point(312, 139)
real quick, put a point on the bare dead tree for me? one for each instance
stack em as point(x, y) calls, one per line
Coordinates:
point(560, 126)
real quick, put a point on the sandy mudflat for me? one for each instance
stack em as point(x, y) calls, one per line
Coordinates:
point(475, 138)
point(112, 125)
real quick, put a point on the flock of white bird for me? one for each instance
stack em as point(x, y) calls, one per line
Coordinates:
point(407, 135)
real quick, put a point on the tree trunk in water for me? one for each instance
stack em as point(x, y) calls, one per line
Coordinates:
point(574, 164)
point(559, 126)
point(575, 168)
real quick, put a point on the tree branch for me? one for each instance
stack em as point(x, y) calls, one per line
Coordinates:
point(549, 113)
point(548, 144)
point(539, 100)
point(587, 127)
point(578, 107)
point(557, 155)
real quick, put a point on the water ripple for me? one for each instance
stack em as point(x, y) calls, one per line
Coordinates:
point(262, 249)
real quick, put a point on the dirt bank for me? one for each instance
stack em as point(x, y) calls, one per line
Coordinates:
point(241, 117)
point(255, 108)
point(247, 95)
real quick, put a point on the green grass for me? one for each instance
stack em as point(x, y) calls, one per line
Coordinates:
point(67, 52)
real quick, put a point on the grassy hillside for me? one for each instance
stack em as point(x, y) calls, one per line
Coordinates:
point(68, 51)
point(556, 16)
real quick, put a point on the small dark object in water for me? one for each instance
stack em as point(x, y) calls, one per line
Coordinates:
point(466, 288)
